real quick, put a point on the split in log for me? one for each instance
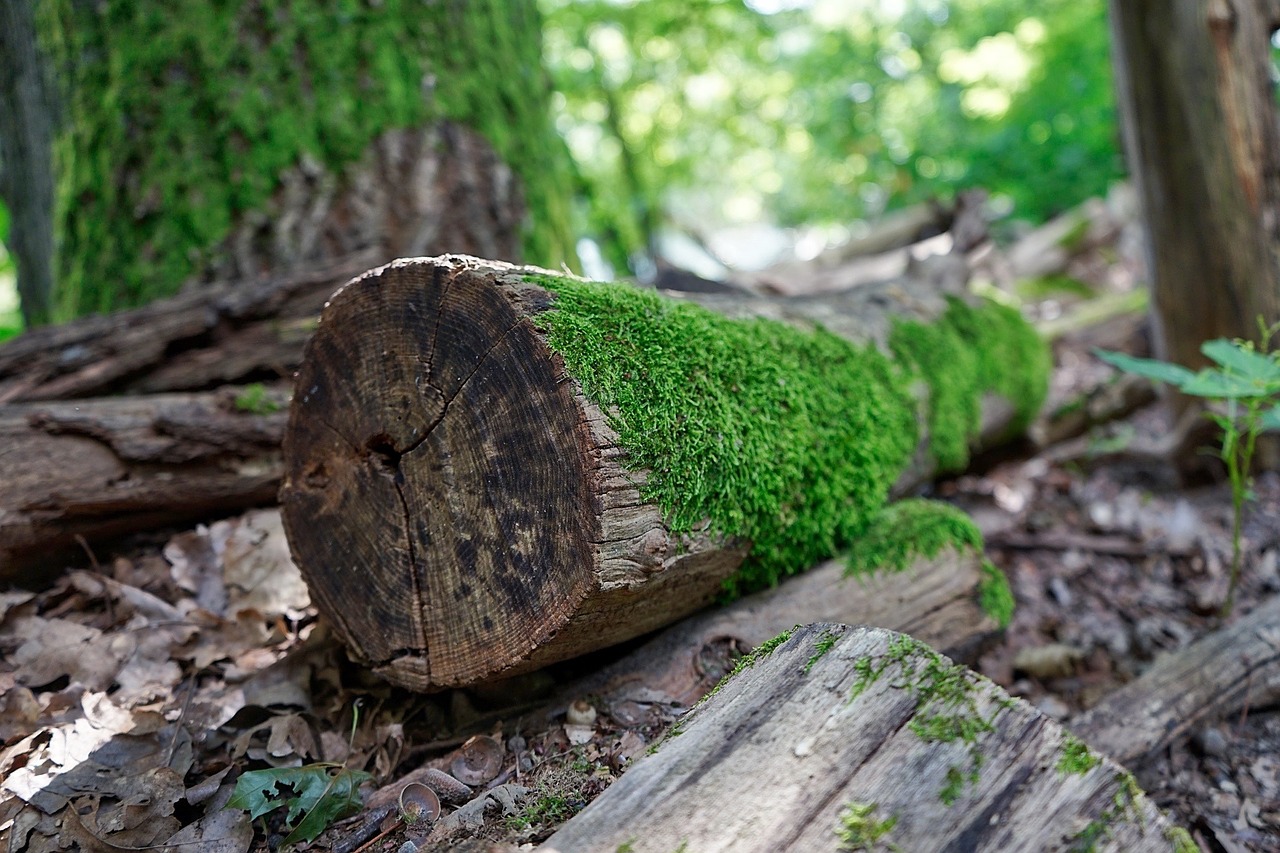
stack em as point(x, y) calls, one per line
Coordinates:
point(1235, 666)
point(836, 737)
point(110, 466)
point(492, 468)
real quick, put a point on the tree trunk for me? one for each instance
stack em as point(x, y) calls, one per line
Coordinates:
point(26, 157)
point(100, 468)
point(225, 142)
point(1203, 143)
point(476, 486)
point(860, 739)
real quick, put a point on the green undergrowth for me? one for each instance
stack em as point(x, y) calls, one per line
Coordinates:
point(784, 437)
point(180, 116)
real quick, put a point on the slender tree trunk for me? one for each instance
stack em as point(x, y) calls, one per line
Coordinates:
point(1201, 137)
point(26, 157)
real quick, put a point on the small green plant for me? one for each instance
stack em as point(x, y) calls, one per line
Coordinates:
point(1076, 756)
point(1245, 385)
point(323, 792)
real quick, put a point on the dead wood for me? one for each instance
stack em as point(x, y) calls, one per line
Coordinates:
point(458, 506)
point(106, 467)
point(935, 600)
point(215, 335)
point(856, 736)
point(1234, 667)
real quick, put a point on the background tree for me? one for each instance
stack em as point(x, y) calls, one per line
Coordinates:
point(1202, 139)
point(201, 140)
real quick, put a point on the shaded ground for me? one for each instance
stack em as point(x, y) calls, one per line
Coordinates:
point(162, 674)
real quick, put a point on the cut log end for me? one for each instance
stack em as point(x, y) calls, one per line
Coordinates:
point(437, 493)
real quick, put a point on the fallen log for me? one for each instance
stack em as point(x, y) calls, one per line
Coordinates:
point(492, 468)
point(223, 333)
point(110, 466)
point(1233, 667)
point(833, 737)
point(937, 599)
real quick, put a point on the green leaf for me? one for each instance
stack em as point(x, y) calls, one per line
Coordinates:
point(323, 794)
point(1270, 419)
point(1217, 385)
point(1160, 371)
point(1243, 359)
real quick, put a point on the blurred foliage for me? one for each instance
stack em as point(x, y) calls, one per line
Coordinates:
point(10, 317)
point(825, 111)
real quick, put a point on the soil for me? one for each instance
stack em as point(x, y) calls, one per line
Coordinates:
point(256, 683)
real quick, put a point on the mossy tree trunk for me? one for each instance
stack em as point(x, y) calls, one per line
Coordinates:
point(1203, 143)
point(491, 468)
point(202, 140)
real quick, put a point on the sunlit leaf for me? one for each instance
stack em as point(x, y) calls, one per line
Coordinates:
point(1216, 385)
point(322, 794)
point(1242, 360)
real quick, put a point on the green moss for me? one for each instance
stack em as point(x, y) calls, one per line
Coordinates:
point(967, 353)
point(1181, 840)
point(785, 438)
point(906, 529)
point(747, 661)
point(825, 643)
point(994, 595)
point(1123, 809)
point(254, 400)
point(858, 830)
point(946, 702)
point(180, 117)
point(1076, 756)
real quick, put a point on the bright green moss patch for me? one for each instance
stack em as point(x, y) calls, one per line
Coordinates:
point(181, 115)
point(1076, 756)
point(859, 830)
point(786, 438)
point(994, 595)
point(825, 643)
point(966, 354)
point(906, 529)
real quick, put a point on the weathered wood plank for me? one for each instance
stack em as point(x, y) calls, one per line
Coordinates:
point(859, 738)
point(1212, 677)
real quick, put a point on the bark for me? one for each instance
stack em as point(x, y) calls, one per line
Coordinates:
point(26, 157)
point(787, 750)
point(76, 472)
point(458, 506)
point(229, 332)
point(1203, 143)
point(935, 600)
point(1237, 666)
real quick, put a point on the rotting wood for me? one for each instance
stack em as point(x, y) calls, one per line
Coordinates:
point(110, 466)
point(1234, 666)
point(211, 336)
point(845, 736)
point(462, 511)
point(934, 599)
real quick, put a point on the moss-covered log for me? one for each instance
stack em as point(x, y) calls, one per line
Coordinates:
point(489, 468)
point(837, 738)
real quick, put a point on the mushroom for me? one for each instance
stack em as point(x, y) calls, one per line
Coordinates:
point(419, 804)
point(478, 760)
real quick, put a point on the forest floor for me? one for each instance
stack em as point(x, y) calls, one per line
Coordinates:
point(163, 673)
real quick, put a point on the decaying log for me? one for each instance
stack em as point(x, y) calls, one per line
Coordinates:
point(104, 467)
point(1235, 666)
point(859, 738)
point(202, 338)
point(460, 508)
point(935, 600)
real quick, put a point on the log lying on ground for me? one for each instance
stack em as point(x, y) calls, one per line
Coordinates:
point(1231, 668)
point(936, 599)
point(491, 468)
point(105, 467)
point(859, 738)
point(202, 338)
